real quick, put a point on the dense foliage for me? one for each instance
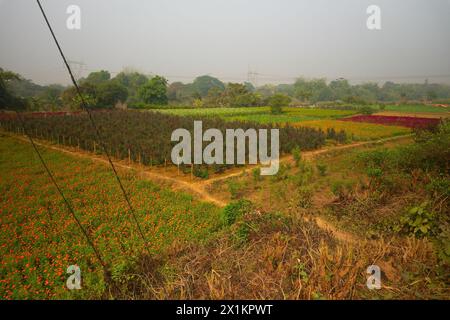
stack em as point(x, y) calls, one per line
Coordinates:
point(423, 168)
point(154, 91)
point(319, 90)
point(7, 99)
point(277, 101)
point(141, 92)
point(147, 135)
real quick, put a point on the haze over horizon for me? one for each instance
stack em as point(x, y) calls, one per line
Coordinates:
point(279, 40)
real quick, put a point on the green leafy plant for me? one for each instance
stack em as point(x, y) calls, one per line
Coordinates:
point(235, 188)
point(418, 221)
point(241, 233)
point(201, 172)
point(439, 187)
point(342, 189)
point(235, 210)
point(304, 197)
point(296, 153)
point(367, 110)
point(283, 173)
point(374, 173)
point(256, 173)
point(277, 101)
point(322, 168)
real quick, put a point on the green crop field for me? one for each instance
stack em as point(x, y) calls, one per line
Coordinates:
point(414, 108)
point(262, 114)
point(316, 118)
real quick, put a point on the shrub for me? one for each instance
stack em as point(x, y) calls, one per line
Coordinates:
point(256, 173)
point(197, 103)
point(439, 187)
point(418, 221)
point(342, 189)
point(303, 177)
point(277, 101)
point(235, 210)
point(234, 188)
point(242, 232)
point(367, 110)
point(304, 196)
point(296, 153)
point(443, 244)
point(200, 172)
point(282, 173)
point(380, 158)
point(374, 173)
point(322, 168)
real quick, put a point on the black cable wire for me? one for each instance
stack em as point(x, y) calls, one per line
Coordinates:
point(97, 132)
point(72, 212)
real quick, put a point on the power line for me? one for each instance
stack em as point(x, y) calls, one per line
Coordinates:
point(97, 132)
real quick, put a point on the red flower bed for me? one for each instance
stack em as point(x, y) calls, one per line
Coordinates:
point(6, 115)
point(410, 122)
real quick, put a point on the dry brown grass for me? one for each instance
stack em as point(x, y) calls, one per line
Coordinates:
point(285, 258)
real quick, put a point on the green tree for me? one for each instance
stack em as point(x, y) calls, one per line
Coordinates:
point(51, 97)
point(97, 77)
point(431, 95)
point(249, 86)
point(277, 101)
point(214, 97)
point(181, 93)
point(7, 99)
point(154, 91)
point(109, 93)
point(203, 84)
point(72, 101)
point(248, 100)
point(341, 88)
point(132, 81)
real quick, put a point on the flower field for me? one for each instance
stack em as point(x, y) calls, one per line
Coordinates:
point(358, 131)
point(39, 239)
point(409, 122)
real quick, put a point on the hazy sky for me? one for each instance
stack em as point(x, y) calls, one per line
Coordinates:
point(279, 39)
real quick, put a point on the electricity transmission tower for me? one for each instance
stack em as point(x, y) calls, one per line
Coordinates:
point(252, 77)
point(78, 67)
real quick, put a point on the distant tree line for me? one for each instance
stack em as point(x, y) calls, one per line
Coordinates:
point(140, 91)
